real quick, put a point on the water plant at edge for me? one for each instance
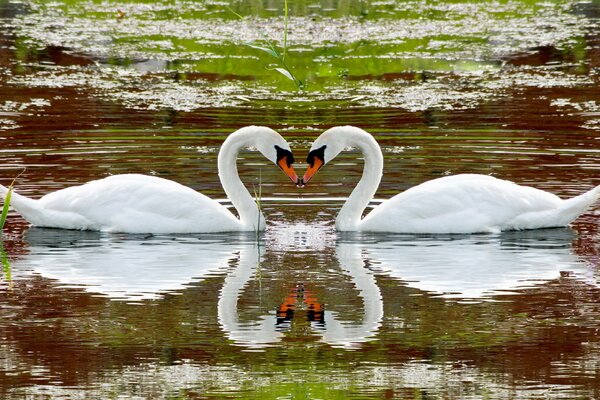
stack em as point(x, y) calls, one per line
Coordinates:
point(283, 69)
point(6, 206)
point(257, 199)
point(6, 269)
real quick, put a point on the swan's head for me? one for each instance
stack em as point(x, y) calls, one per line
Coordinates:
point(273, 146)
point(327, 146)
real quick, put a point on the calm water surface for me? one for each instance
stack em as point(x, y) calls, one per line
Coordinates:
point(510, 89)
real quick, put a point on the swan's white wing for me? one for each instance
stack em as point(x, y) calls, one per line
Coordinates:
point(135, 203)
point(463, 204)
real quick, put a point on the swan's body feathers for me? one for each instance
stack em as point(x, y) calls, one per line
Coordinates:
point(466, 203)
point(128, 203)
point(135, 203)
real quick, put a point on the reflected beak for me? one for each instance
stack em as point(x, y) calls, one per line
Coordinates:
point(312, 169)
point(289, 170)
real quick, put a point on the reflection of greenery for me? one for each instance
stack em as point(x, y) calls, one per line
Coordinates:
point(302, 389)
point(330, 63)
point(6, 269)
point(183, 329)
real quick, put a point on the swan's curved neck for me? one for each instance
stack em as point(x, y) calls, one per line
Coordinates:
point(350, 215)
point(250, 215)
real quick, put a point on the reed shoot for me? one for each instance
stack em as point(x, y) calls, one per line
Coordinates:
point(283, 69)
point(257, 199)
point(6, 205)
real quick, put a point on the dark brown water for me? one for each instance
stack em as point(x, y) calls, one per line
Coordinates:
point(303, 312)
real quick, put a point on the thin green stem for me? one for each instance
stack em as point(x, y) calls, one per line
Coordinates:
point(234, 13)
point(257, 199)
point(285, 30)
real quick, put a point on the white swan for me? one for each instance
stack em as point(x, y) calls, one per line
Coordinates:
point(133, 203)
point(465, 203)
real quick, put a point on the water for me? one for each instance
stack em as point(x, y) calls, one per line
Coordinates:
point(89, 89)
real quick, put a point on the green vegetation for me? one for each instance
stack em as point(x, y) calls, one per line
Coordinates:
point(6, 269)
point(341, 47)
point(5, 207)
point(189, 71)
point(271, 50)
point(257, 199)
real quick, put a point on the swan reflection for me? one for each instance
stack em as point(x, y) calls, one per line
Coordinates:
point(349, 334)
point(473, 266)
point(138, 268)
point(258, 333)
point(328, 325)
point(127, 267)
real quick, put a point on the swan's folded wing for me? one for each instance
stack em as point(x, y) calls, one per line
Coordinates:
point(459, 204)
point(140, 203)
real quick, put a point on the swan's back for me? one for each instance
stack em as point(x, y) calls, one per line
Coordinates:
point(134, 203)
point(464, 203)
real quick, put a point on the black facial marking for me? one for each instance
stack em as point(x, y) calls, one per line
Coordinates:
point(319, 153)
point(281, 153)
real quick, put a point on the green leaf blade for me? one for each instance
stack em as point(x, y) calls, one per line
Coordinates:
point(267, 50)
point(286, 73)
point(4, 214)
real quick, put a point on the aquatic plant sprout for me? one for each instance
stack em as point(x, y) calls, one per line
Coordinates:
point(257, 199)
point(284, 69)
point(6, 205)
point(5, 208)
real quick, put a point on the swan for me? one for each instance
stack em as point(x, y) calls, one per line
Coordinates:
point(134, 203)
point(465, 203)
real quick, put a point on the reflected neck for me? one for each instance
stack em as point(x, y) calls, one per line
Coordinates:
point(250, 216)
point(349, 217)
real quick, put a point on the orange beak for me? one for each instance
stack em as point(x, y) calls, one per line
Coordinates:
point(288, 169)
point(312, 169)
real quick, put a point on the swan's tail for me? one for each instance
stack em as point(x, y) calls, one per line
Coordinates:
point(573, 208)
point(28, 208)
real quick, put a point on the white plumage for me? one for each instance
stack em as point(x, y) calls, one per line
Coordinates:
point(465, 203)
point(136, 203)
